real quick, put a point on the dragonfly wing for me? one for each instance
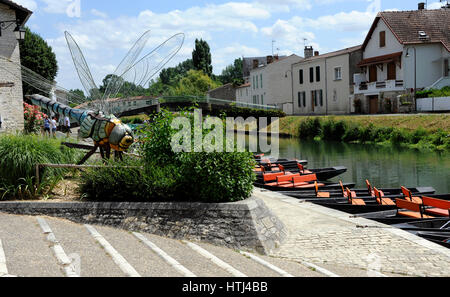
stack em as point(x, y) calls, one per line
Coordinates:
point(83, 71)
point(116, 82)
point(42, 84)
point(142, 71)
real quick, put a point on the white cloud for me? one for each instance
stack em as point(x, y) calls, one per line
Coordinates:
point(435, 5)
point(98, 13)
point(30, 4)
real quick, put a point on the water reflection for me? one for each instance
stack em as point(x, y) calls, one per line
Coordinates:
point(383, 166)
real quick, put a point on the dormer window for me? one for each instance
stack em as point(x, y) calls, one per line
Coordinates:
point(382, 38)
point(423, 35)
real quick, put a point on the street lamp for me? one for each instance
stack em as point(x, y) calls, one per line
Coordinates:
point(18, 30)
point(415, 73)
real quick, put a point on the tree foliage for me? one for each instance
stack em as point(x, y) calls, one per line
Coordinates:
point(233, 73)
point(38, 56)
point(201, 57)
point(195, 83)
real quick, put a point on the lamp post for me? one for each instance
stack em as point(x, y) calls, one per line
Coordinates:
point(18, 30)
point(415, 73)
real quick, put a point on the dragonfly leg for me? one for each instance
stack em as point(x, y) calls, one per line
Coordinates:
point(88, 155)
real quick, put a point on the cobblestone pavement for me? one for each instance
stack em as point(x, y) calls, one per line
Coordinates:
point(331, 238)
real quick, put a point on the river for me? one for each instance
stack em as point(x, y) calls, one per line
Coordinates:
point(384, 167)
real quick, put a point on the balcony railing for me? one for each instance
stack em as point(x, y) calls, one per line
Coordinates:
point(379, 86)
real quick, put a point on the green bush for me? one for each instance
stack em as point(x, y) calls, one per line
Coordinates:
point(310, 128)
point(170, 176)
point(333, 131)
point(19, 155)
point(351, 134)
point(400, 137)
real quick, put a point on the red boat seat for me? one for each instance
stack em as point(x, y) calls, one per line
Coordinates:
point(344, 192)
point(303, 181)
point(438, 207)
point(352, 198)
point(271, 176)
point(302, 169)
point(321, 194)
point(284, 180)
point(408, 196)
point(381, 199)
point(411, 209)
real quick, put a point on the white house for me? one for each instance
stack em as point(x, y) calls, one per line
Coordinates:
point(403, 51)
point(12, 18)
point(271, 84)
point(323, 84)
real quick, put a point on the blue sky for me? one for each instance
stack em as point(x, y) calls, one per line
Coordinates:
point(105, 30)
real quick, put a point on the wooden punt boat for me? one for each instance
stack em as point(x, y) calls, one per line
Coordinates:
point(434, 230)
point(408, 211)
point(322, 174)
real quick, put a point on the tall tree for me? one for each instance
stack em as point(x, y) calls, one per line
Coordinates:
point(195, 83)
point(233, 73)
point(201, 56)
point(171, 75)
point(38, 56)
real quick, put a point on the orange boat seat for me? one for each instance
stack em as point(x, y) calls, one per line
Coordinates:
point(438, 207)
point(411, 209)
point(352, 198)
point(381, 199)
point(268, 177)
point(408, 196)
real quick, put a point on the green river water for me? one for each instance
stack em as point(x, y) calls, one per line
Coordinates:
point(384, 167)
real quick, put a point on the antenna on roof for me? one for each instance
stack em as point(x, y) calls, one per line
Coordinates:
point(273, 42)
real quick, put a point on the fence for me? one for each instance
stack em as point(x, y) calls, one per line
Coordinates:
point(215, 101)
point(433, 104)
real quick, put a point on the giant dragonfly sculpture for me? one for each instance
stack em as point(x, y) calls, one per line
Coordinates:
point(98, 123)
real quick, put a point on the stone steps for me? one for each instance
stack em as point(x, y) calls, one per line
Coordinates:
point(44, 246)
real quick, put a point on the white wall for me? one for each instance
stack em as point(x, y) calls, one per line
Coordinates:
point(276, 87)
point(433, 104)
point(429, 65)
point(373, 48)
point(338, 91)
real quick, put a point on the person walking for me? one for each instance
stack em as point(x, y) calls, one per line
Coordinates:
point(67, 126)
point(53, 126)
point(46, 126)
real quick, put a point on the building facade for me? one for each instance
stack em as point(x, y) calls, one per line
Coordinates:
point(225, 92)
point(403, 51)
point(323, 84)
point(271, 84)
point(11, 94)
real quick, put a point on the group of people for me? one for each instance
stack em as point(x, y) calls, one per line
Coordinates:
point(51, 126)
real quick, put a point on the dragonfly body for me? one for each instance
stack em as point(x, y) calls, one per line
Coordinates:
point(103, 130)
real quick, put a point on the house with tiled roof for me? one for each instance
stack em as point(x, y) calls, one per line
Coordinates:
point(12, 18)
point(404, 51)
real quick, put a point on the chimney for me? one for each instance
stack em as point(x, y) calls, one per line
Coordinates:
point(255, 63)
point(316, 53)
point(269, 59)
point(421, 5)
point(309, 51)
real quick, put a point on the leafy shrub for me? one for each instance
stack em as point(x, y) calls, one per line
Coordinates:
point(169, 176)
point(332, 130)
point(418, 135)
point(19, 155)
point(310, 128)
point(399, 137)
point(382, 134)
point(351, 134)
point(366, 133)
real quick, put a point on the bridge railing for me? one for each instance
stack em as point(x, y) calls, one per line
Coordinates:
point(216, 101)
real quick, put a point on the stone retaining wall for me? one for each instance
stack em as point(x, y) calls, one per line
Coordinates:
point(246, 225)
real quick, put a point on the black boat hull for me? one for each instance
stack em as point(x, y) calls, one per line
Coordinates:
point(322, 174)
point(328, 186)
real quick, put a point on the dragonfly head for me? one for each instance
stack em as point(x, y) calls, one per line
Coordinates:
point(121, 137)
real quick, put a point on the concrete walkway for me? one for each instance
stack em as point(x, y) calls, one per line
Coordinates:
point(334, 240)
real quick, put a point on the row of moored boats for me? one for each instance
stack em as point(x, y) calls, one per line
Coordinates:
point(418, 210)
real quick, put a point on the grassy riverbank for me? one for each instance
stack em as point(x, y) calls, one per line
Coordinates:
point(415, 131)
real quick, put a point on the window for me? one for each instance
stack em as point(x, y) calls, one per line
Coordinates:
point(262, 99)
point(337, 73)
point(318, 73)
point(300, 74)
point(382, 38)
point(301, 99)
point(446, 68)
point(311, 74)
point(257, 85)
point(261, 80)
point(321, 97)
point(254, 83)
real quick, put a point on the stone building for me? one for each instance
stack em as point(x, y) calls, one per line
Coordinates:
point(12, 16)
point(225, 92)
